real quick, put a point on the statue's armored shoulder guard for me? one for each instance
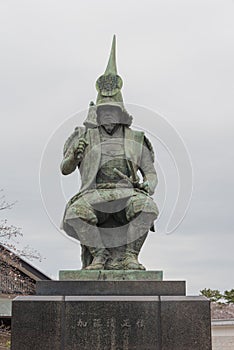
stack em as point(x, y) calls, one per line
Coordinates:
point(148, 144)
point(77, 133)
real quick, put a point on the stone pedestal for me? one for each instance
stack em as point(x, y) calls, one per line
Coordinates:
point(98, 288)
point(112, 314)
point(104, 323)
point(110, 275)
point(37, 323)
point(186, 323)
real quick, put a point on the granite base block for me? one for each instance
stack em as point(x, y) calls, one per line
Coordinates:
point(186, 323)
point(110, 288)
point(110, 275)
point(105, 323)
point(37, 323)
point(84, 323)
point(111, 323)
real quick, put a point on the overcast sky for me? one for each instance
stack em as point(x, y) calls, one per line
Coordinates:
point(176, 59)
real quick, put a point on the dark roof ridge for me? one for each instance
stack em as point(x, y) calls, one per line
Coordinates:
point(25, 267)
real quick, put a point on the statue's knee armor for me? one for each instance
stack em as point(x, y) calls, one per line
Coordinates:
point(140, 203)
point(83, 210)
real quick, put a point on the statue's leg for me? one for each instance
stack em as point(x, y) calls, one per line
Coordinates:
point(118, 230)
point(81, 219)
point(100, 254)
point(141, 211)
point(100, 257)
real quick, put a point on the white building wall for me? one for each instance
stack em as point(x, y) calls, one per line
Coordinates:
point(223, 335)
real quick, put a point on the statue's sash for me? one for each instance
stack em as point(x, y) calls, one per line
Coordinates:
point(133, 143)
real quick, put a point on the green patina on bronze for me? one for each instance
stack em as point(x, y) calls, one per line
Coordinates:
point(113, 211)
point(107, 275)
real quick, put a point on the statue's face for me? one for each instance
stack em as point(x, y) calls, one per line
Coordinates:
point(108, 118)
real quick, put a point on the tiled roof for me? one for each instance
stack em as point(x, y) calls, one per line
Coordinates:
point(21, 264)
point(222, 312)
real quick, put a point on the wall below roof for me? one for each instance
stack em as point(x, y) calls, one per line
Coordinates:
point(223, 335)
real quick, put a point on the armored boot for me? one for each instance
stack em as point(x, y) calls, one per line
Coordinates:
point(114, 264)
point(117, 254)
point(100, 257)
point(130, 261)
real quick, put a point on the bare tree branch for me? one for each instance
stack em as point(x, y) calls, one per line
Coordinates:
point(3, 203)
point(8, 233)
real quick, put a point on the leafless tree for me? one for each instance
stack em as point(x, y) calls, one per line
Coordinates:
point(12, 280)
point(8, 234)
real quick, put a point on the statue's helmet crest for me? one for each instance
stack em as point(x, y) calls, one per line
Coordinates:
point(109, 87)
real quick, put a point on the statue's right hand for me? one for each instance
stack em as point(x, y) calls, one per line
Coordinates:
point(80, 148)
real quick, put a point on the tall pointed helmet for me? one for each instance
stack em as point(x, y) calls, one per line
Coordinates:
point(110, 83)
point(109, 87)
